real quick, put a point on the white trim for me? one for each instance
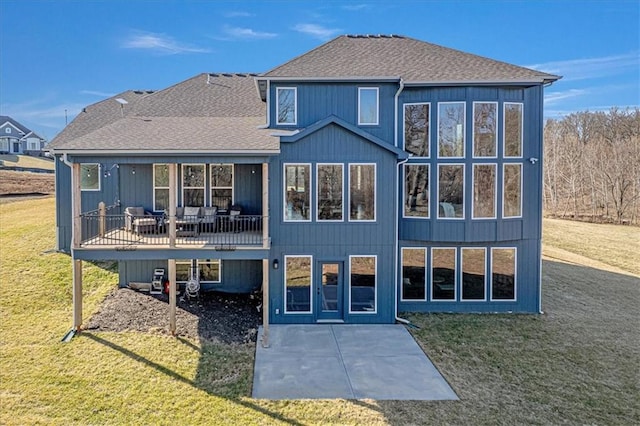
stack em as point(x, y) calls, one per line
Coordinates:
point(375, 193)
point(310, 257)
point(204, 188)
point(461, 277)
point(495, 191)
point(284, 193)
point(473, 131)
point(515, 275)
point(504, 193)
point(504, 128)
point(377, 121)
point(375, 289)
point(464, 191)
point(153, 183)
point(404, 134)
point(211, 187)
point(20, 132)
point(426, 264)
point(295, 106)
point(455, 275)
point(99, 177)
point(404, 190)
point(318, 193)
point(464, 130)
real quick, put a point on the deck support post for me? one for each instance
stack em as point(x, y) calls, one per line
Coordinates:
point(76, 232)
point(172, 296)
point(265, 205)
point(265, 303)
point(173, 200)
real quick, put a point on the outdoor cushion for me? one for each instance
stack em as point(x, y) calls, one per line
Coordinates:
point(191, 211)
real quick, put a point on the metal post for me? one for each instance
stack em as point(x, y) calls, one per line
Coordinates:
point(173, 200)
point(172, 296)
point(265, 303)
point(76, 211)
point(102, 212)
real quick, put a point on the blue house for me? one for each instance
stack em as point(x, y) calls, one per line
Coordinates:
point(371, 176)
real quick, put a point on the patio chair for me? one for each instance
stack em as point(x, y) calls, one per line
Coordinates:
point(208, 220)
point(139, 221)
point(235, 221)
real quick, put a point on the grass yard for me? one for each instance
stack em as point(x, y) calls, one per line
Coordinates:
point(13, 160)
point(576, 364)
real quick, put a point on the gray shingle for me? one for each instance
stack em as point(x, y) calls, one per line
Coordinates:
point(397, 56)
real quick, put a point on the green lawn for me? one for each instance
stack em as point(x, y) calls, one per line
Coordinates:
point(575, 364)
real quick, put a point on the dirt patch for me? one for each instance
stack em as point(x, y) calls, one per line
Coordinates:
point(213, 316)
point(18, 183)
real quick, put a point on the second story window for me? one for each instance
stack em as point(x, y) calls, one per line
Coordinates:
point(362, 192)
point(193, 182)
point(367, 105)
point(297, 192)
point(90, 177)
point(222, 185)
point(160, 187)
point(286, 105)
point(451, 129)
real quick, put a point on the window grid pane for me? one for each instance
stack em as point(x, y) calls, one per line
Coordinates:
point(298, 283)
point(329, 196)
point(451, 129)
point(451, 191)
point(367, 105)
point(362, 192)
point(443, 274)
point(414, 270)
point(416, 129)
point(513, 129)
point(90, 177)
point(286, 105)
point(503, 274)
point(473, 273)
point(193, 181)
point(484, 191)
point(512, 190)
point(297, 196)
point(416, 190)
point(485, 132)
point(362, 282)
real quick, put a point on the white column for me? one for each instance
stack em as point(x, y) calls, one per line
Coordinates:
point(265, 303)
point(172, 296)
point(265, 205)
point(173, 201)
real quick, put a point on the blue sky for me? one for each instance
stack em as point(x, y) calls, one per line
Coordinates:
point(64, 55)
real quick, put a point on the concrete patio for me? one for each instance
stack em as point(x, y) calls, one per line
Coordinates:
point(329, 361)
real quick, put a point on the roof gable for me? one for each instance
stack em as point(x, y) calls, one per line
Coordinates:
point(332, 119)
point(412, 60)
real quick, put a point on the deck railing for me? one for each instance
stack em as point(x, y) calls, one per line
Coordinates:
point(224, 232)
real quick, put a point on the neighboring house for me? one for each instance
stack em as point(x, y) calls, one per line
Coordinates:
point(17, 139)
point(391, 175)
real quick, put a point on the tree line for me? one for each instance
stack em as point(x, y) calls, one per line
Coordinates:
point(592, 166)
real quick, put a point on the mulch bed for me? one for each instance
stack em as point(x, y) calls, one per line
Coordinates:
point(213, 316)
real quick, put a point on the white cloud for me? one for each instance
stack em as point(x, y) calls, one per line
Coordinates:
point(246, 33)
point(97, 93)
point(581, 69)
point(554, 97)
point(317, 31)
point(356, 7)
point(45, 116)
point(159, 43)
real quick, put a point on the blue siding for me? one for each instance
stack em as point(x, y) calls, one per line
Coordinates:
point(335, 241)
point(317, 101)
point(238, 276)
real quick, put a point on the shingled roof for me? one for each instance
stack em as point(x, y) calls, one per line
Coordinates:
point(207, 113)
point(393, 56)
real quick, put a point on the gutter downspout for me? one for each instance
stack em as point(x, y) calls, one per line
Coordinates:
point(395, 112)
point(397, 246)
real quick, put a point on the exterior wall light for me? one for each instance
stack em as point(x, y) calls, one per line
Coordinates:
point(276, 264)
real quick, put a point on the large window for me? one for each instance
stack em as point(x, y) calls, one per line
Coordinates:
point(451, 129)
point(362, 192)
point(416, 129)
point(208, 270)
point(362, 284)
point(443, 274)
point(160, 187)
point(90, 177)
point(512, 190)
point(221, 185)
point(473, 273)
point(193, 182)
point(416, 190)
point(503, 274)
point(513, 129)
point(368, 105)
point(451, 191)
point(297, 192)
point(329, 181)
point(484, 191)
point(414, 268)
point(286, 103)
point(297, 284)
point(485, 129)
